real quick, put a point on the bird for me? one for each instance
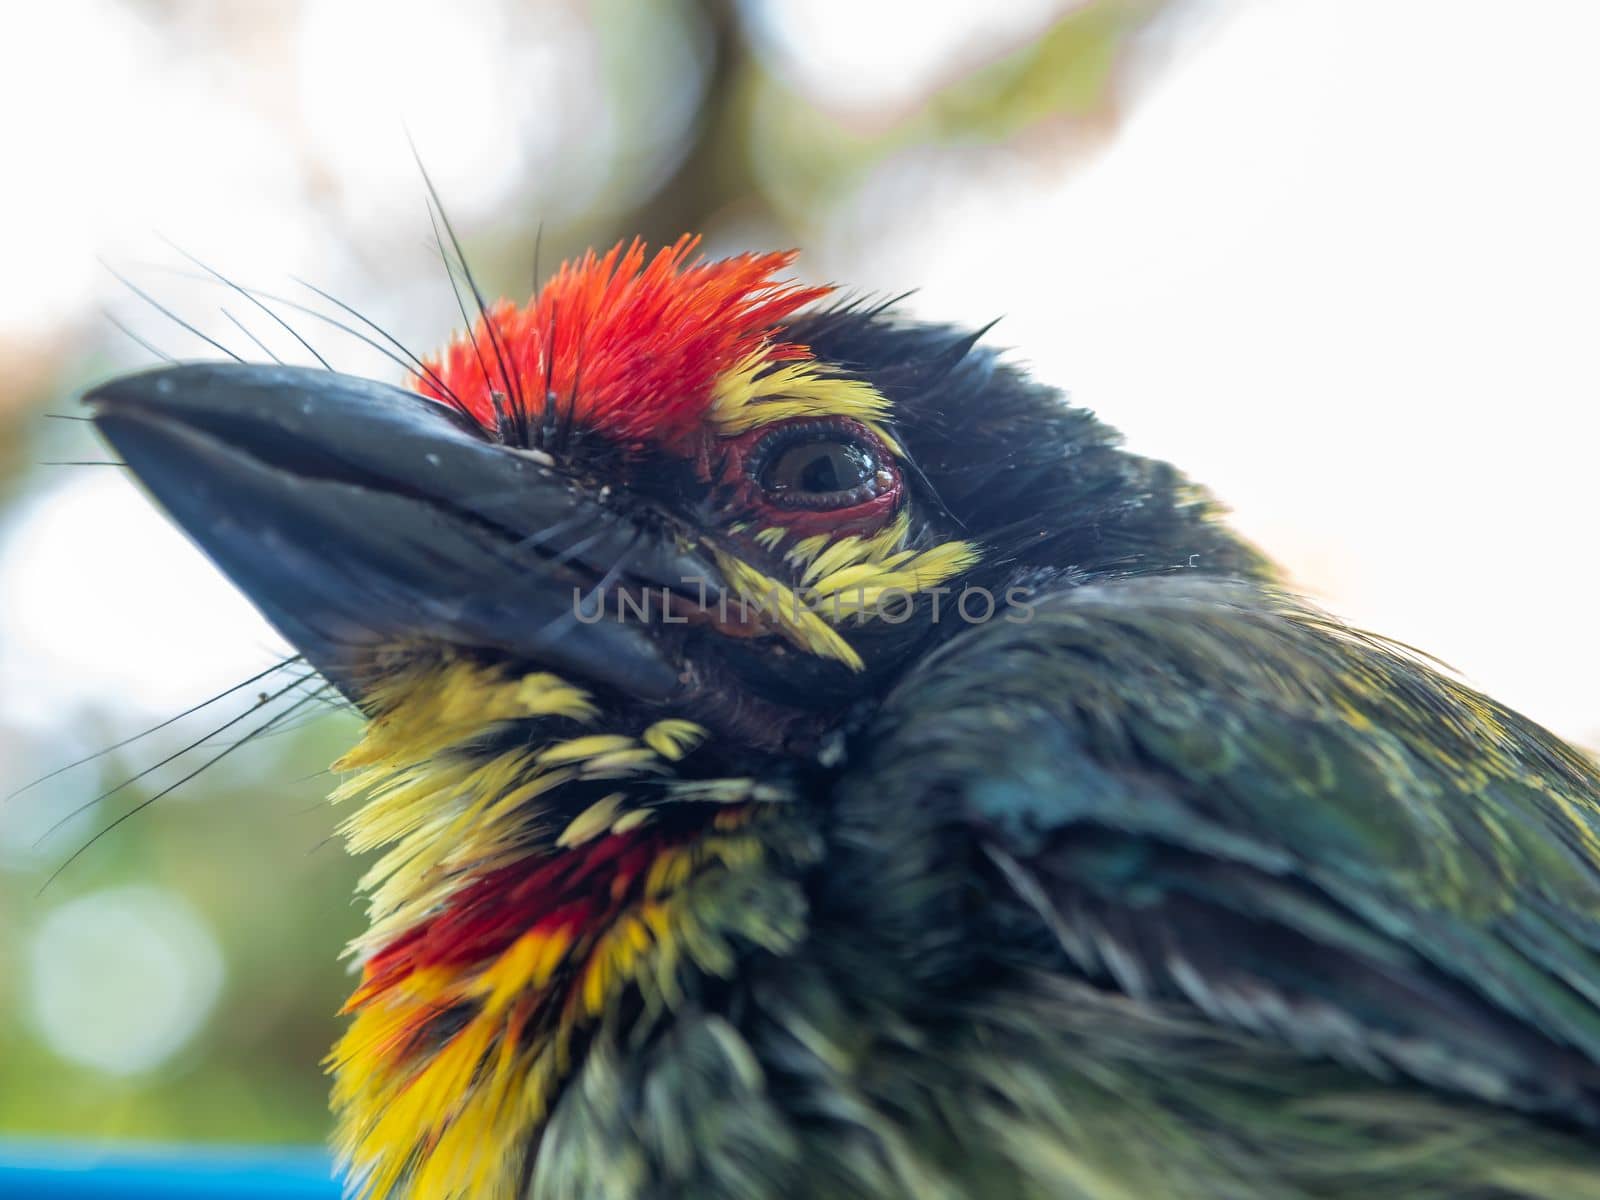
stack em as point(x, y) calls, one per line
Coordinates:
point(807, 756)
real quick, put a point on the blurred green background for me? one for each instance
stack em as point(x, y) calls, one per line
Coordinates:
point(1312, 251)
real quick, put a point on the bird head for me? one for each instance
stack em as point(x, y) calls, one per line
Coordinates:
point(614, 577)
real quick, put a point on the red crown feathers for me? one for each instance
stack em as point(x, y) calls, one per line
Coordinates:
point(634, 349)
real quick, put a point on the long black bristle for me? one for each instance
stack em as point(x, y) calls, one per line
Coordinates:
point(168, 313)
point(132, 779)
point(249, 737)
point(250, 296)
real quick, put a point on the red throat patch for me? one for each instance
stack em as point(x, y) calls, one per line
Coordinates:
point(633, 348)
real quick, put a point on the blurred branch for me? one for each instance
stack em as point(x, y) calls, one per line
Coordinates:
point(714, 171)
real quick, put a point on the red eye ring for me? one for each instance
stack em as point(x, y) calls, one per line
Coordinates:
point(816, 475)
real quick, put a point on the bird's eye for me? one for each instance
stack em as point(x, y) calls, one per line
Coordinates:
point(822, 469)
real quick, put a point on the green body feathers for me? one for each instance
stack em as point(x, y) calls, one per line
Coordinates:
point(1177, 890)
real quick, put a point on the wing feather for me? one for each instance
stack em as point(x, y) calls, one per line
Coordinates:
point(1214, 794)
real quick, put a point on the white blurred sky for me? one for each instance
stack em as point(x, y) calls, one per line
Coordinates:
point(1340, 265)
point(1343, 266)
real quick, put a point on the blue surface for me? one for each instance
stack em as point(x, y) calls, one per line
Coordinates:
point(86, 1171)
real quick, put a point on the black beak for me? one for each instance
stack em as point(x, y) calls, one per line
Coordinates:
point(360, 517)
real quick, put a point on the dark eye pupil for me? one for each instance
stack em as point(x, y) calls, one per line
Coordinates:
point(819, 468)
point(830, 469)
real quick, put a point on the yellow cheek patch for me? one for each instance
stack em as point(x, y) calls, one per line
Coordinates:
point(781, 607)
point(876, 563)
point(868, 589)
point(858, 576)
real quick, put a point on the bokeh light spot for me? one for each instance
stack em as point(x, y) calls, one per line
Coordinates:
point(121, 979)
